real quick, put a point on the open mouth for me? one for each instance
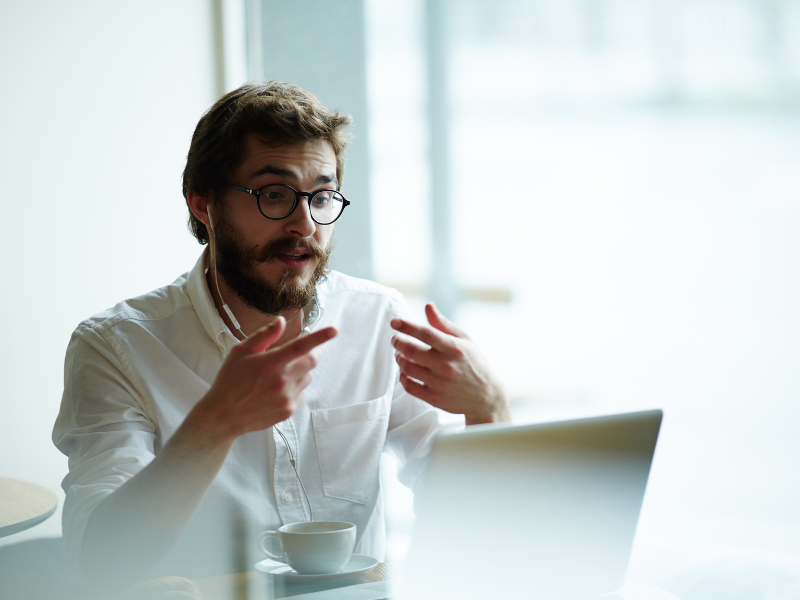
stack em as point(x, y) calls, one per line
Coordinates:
point(297, 259)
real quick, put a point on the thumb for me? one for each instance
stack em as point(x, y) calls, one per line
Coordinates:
point(264, 337)
point(442, 323)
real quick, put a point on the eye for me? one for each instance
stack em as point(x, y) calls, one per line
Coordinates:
point(277, 194)
point(323, 198)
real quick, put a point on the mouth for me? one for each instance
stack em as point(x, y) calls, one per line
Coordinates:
point(297, 259)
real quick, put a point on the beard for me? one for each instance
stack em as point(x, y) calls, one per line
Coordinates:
point(236, 264)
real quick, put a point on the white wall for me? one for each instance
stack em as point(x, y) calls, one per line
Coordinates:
point(98, 104)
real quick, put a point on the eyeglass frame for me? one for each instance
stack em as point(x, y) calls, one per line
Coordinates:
point(297, 195)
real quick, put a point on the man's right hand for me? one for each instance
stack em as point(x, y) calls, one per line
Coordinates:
point(258, 385)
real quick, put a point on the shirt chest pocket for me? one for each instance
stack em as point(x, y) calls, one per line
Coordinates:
point(349, 444)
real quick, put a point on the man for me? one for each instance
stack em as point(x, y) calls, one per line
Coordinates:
point(190, 415)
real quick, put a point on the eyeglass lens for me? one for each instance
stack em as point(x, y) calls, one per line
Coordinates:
point(276, 202)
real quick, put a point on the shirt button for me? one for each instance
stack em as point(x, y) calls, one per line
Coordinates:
point(287, 496)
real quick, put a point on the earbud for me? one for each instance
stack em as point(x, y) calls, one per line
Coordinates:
point(210, 220)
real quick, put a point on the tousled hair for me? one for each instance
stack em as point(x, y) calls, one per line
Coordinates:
point(273, 110)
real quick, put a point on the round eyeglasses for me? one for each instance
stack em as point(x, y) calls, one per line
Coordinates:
point(278, 201)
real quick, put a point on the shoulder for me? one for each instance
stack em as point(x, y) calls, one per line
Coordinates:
point(339, 283)
point(153, 306)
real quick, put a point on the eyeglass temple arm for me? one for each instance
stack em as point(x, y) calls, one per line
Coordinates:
point(244, 189)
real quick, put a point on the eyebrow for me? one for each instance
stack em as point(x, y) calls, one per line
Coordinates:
point(289, 174)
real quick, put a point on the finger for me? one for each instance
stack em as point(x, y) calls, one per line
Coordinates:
point(303, 345)
point(423, 333)
point(263, 338)
point(420, 373)
point(299, 388)
point(414, 351)
point(304, 382)
point(442, 323)
point(416, 389)
point(303, 364)
point(293, 392)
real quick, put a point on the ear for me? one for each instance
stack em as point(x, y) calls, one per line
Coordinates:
point(199, 206)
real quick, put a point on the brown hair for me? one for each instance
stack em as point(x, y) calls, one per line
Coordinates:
point(274, 110)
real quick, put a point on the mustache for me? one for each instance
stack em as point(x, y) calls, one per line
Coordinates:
point(275, 248)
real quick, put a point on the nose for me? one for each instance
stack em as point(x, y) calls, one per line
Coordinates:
point(300, 224)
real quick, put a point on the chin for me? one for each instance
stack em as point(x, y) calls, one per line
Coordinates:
point(296, 277)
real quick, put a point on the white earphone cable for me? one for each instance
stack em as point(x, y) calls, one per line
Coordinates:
point(239, 327)
point(294, 466)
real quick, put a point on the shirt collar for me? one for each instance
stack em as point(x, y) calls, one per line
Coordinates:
point(203, 303)
point(200, 295)
point(313, 313)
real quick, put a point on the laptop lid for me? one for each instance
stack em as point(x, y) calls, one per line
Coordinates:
point(533, 510)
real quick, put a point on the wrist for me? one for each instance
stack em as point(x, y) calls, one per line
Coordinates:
point(203, 431)
point(495, 409)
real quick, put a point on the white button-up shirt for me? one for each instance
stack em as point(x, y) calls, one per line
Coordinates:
point(134, 372)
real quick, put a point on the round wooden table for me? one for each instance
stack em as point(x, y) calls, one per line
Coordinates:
point(23, 505)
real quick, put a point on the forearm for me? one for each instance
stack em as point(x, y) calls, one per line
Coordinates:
point(132, 529)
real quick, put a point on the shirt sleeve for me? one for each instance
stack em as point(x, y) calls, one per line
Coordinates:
point(102, 427)
point(413, 425)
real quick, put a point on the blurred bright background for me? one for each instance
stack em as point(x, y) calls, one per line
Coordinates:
point(604, 193)
point(629, 172)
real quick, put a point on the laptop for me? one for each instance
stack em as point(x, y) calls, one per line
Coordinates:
point(525, 511)
point(546, 510)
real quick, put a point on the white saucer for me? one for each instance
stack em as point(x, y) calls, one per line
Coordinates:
point(358, 566)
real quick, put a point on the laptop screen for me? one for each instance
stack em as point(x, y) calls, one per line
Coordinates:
point(517, 510)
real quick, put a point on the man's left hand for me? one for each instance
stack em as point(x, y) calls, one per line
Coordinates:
point(449, 371)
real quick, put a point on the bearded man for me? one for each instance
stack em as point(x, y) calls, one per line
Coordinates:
point(190, 416)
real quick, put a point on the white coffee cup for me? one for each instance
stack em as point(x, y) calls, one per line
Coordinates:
point(314, 548)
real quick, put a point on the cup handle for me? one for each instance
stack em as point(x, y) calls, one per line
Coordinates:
point(272, 536)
